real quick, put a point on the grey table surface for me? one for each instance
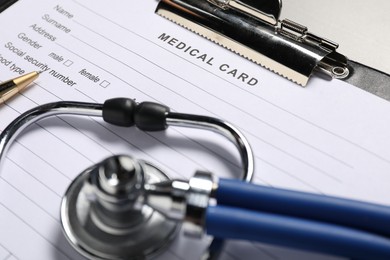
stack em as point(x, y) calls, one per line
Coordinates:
point(360, 27)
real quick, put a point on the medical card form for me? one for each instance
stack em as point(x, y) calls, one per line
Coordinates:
point(329, 138)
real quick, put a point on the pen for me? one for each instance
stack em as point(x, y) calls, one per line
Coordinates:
point(11, 87)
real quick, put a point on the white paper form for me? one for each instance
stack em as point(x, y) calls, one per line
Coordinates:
point(329, 138)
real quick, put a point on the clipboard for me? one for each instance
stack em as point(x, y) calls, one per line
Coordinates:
point(233, 113)
point(359, 75)
point(254, 30)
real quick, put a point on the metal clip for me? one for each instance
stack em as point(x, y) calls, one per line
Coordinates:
point(265, 10)
point(252, 29)
point(299, 32)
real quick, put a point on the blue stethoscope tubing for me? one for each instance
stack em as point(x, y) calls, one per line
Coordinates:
point(300, 220)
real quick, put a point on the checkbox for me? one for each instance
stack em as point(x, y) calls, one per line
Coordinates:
point(105, 83)
point(68, 63)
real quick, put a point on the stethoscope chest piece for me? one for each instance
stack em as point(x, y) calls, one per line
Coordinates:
point(103, 214)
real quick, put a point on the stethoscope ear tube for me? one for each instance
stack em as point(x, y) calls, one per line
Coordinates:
point(146, 116)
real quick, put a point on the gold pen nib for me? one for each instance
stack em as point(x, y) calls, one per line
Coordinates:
point(23, 81)
point(11, 87)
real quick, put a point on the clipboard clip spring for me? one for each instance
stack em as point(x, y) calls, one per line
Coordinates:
point(299, 32)
point(252, 28)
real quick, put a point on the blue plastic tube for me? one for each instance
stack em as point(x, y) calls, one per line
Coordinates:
point(351, 213)
point(228, 222)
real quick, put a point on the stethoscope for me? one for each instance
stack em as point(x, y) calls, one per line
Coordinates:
point(124, 208)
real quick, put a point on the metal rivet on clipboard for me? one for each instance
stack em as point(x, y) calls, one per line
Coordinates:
point(252, 29)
